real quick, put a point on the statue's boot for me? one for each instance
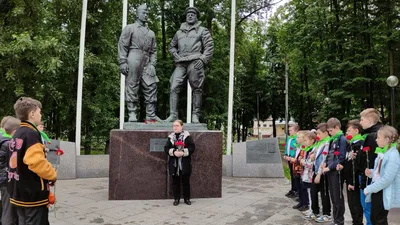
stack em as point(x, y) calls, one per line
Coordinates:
point(196, 107)
point(173, 105)
point(132, 111)
point(151, 116)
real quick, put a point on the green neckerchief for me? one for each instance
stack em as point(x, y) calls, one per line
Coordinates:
point(4, 134)
point(293, 136)
point(1, 131)
point(336, 136)
point(358, 137)
point(308, 148)
point(384, 149)
point(323, 141)
point(45, 137)
point(364, 136)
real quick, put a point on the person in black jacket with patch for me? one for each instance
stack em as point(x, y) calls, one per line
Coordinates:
point(8, 212)
point(179, 148)
point(351, 172)
point(370, 122)
point(332, 168)
point(30, 175)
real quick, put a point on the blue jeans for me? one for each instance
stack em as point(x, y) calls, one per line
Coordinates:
point(366, 206)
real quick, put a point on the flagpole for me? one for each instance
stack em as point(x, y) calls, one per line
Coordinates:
point(231, 77)
point(80, 80)
point(122, 81)
point(189, 88)
point(286, 99)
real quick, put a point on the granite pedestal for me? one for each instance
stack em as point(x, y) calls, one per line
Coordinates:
point(138, 169)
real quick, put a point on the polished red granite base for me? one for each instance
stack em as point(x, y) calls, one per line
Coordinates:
point(138, 174)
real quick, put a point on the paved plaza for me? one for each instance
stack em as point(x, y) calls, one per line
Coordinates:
point(244, 201)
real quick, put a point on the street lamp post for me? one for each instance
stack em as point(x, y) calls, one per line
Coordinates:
point(327, 101)
point(258, 115)
point(392, 81)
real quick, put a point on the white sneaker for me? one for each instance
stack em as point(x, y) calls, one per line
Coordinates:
point(310, 216)
point(323, 219)
point(307, 212)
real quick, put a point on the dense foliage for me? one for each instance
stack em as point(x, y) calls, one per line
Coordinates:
point(343, 50)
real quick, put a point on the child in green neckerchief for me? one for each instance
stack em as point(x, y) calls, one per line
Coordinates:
point(308, 172)
point(333, 166)
point(351, 170)
point(45, 139)
point(8, 212)
point(384, 191)
point(371, 123)
point(3, 133)
point(290, 151)
point(320, 184)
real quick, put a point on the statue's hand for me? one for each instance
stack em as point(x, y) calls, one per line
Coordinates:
point(176, 56)
point(124, 68)
point(198, 64)
point(151, 70)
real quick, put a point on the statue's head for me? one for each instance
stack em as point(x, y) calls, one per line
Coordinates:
point(142, 13)
point(192, 14)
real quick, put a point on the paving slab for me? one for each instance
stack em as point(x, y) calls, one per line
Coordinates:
point(244, 201)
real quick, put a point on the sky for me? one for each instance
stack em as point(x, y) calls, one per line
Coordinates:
point(276, 6)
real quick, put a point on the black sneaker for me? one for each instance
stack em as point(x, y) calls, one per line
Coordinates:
point(297, 206)
point(304, 208)
point(289, 194)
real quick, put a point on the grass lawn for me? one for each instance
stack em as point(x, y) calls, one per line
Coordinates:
point(94, 152)
point(286, 170)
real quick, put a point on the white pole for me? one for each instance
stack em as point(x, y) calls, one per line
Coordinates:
point(122, 83)
point(286, 99)
point(231, 76)
point(189, 89)
point(80, 80)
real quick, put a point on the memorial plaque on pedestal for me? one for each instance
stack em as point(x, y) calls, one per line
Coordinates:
point(157, 144)
point(262, 151)
point(51, 155)
point(260, 158)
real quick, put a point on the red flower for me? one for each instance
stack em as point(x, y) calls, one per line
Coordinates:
point(59, 152)
point(336, 153)
point(291, 148)
point(317, 138)
point(349, 137)
point(284, 144)
point(366, 149)
point(324, 153)
point(179, 143)
point(303, 146)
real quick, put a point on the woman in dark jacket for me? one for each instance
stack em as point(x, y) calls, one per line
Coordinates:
point(179, 148)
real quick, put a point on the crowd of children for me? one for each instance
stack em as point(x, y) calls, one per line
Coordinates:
point(25, 173)
point(365, 162)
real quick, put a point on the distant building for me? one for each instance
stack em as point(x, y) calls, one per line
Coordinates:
point(266, 128)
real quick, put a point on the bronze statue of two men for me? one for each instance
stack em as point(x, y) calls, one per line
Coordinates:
point(191, 48)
